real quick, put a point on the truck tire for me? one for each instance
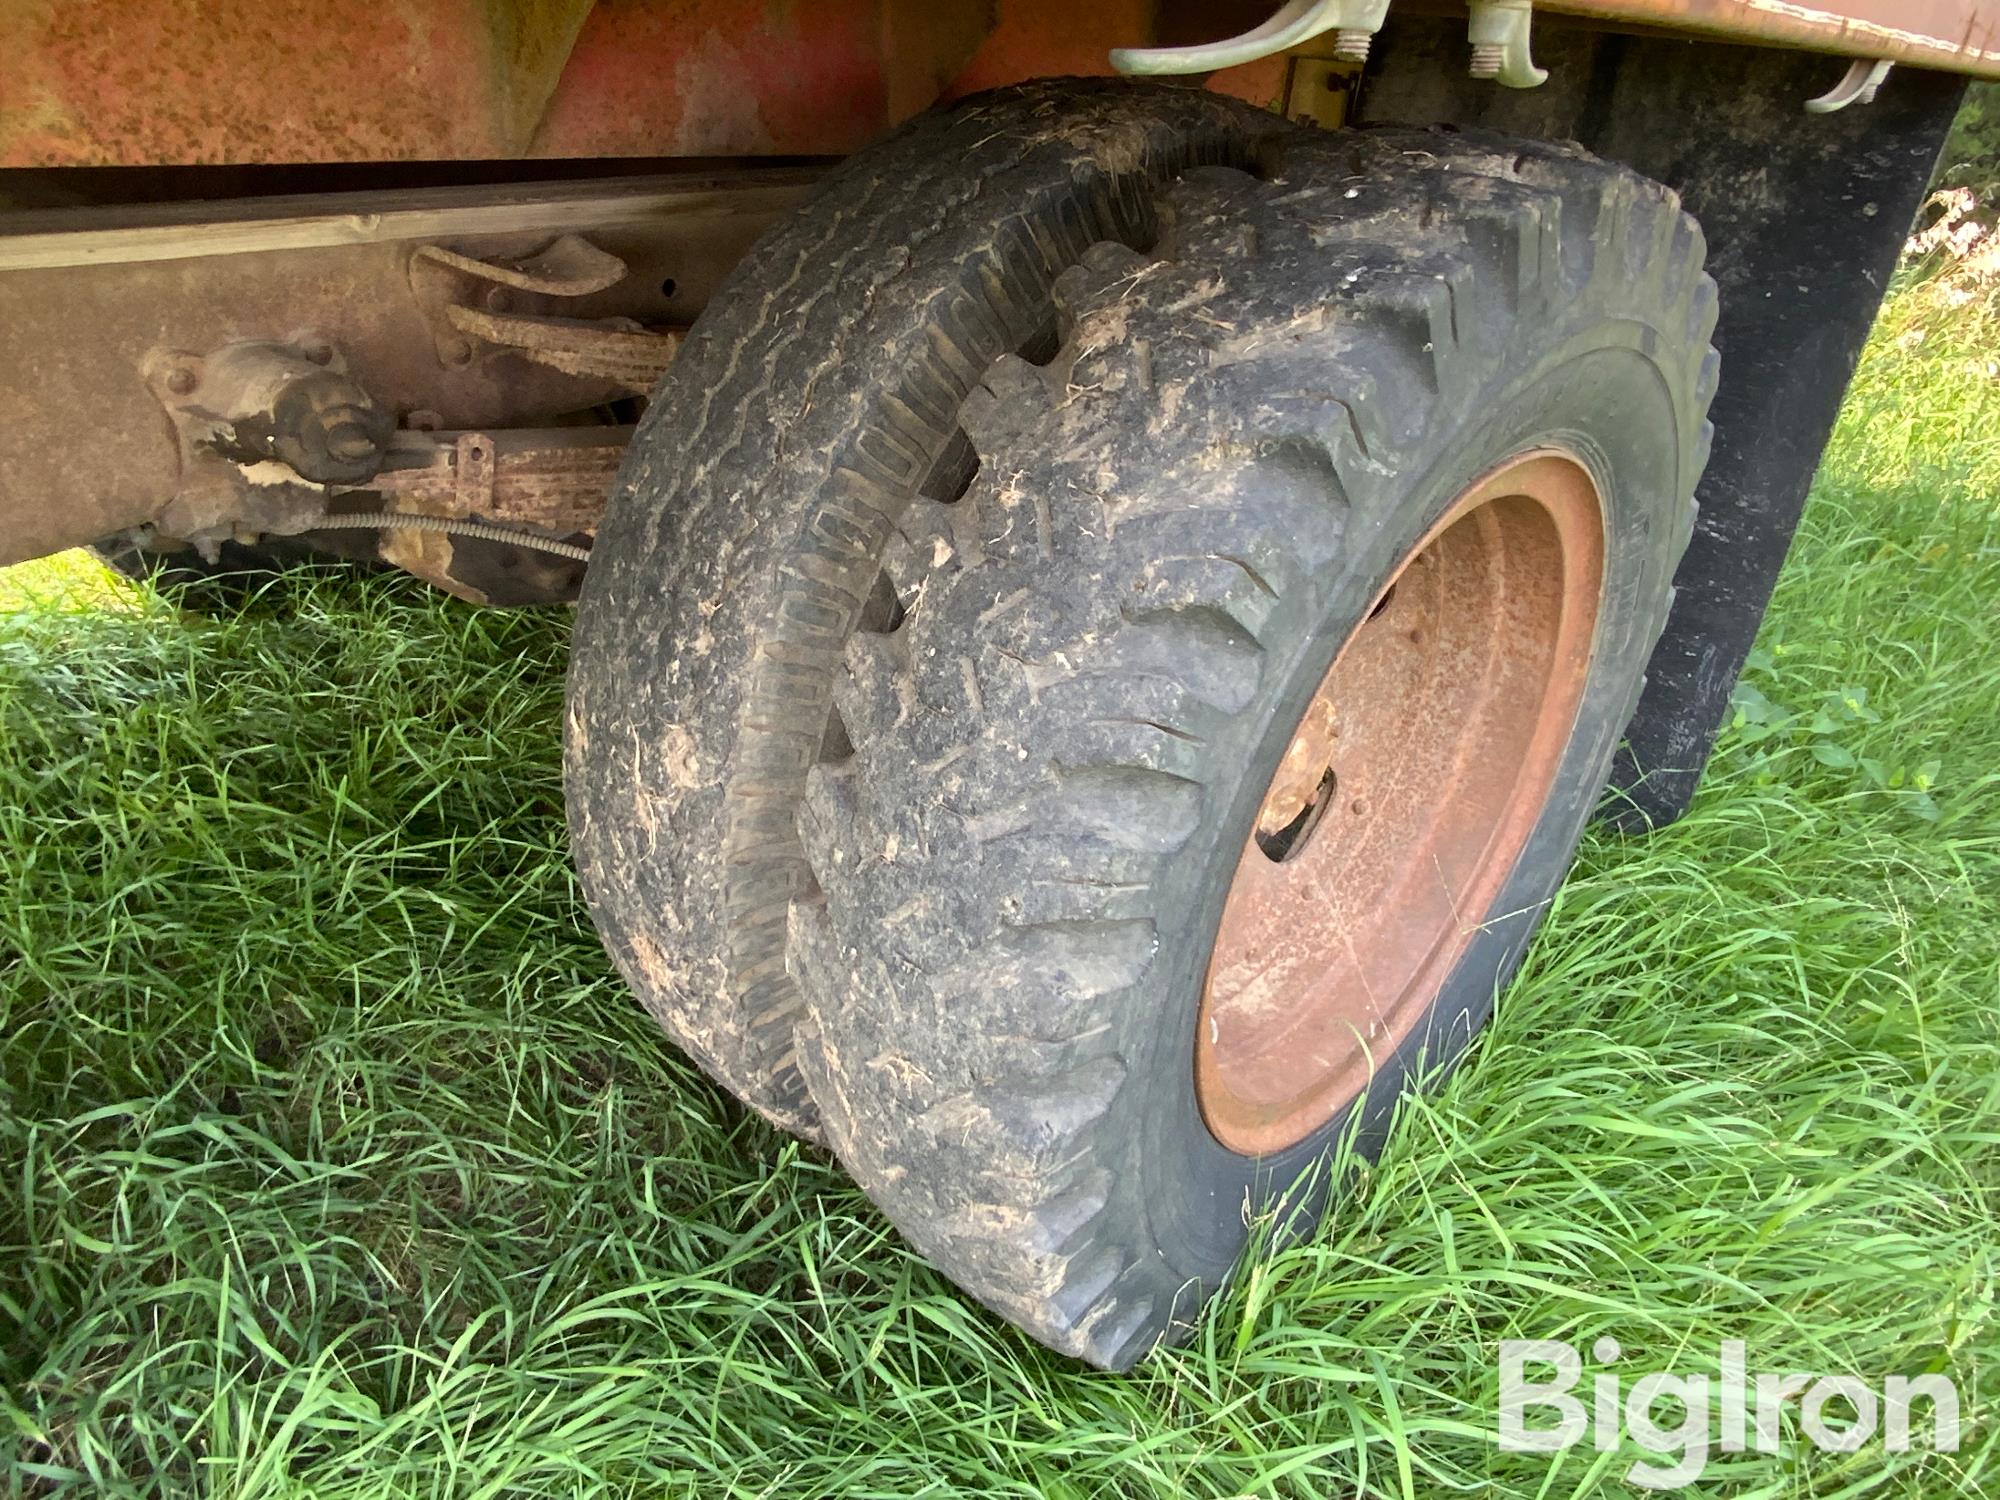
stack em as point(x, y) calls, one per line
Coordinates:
point(812, 400)
point(1238, 723)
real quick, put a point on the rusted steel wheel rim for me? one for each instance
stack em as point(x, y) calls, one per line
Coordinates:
point(1410, 788)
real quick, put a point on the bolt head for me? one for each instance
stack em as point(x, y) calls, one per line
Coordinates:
point(317, 351)
point(181, 380)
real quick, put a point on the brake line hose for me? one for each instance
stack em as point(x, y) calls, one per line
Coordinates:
point(452, 526)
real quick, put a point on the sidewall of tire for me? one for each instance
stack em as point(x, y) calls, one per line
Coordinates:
point(709, 638)
point(1605, 396)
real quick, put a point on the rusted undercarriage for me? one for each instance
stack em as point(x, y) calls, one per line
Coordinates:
point(475, 356)
point(452, 360)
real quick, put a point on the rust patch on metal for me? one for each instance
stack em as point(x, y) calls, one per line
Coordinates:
point(620, 350)
point(721, 78)
point(556, 479)
point(146, 82)
point(142, 82)
point(151, 82)
point(1053, 39)
point(93, 300)
point(1411, 786)
point(568, 266)
point(472, 303)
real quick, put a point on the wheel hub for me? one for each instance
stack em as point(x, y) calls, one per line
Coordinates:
point(1411, 786)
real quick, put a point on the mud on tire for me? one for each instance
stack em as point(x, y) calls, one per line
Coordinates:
point(1053, 738)
point(810, 405)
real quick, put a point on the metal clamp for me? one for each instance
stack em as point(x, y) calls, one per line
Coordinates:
point(1353, 22)
point(1500, 33)
point(1859, 85)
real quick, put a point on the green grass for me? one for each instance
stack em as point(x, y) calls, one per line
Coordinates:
point(334, 1160)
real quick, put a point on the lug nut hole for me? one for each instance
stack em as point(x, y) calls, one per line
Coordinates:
point(1285, 843)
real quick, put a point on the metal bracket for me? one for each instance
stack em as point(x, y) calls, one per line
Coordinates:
point(615, 349)
point(1354, 23)
point(1859, 85)
point(1500, 33)
point(470, 305)
point(568, 266)
point(556, 478)
point(262, 426)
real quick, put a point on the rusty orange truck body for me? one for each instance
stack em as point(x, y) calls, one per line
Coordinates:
point(143, 83)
